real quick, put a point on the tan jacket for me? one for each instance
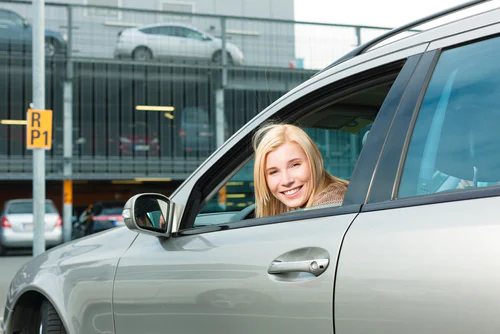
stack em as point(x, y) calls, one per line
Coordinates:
point(333, 193)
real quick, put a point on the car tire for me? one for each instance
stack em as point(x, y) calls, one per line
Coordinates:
point(50, 322)
point(142, 53)
point(52, 47)
point(3, 250)
point(217, 58)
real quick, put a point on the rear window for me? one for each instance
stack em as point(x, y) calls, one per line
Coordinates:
point(27, 207)
point(112, 211)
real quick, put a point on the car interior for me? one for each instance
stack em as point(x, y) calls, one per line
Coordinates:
point(353, 114)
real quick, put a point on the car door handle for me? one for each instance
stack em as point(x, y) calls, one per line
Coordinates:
point(315, 267)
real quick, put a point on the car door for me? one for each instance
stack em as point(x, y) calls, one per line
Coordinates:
point(422, 256)
point(254, 275)
point(160, 40)
point(195, 46)
point(170, 44)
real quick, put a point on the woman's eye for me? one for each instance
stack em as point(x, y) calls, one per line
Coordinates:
point(272, 172)
point(295, 164)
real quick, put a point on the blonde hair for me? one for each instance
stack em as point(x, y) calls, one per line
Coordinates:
point(267, 139)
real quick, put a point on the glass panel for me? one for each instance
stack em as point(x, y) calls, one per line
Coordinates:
point(27, 208)
point(455, 141)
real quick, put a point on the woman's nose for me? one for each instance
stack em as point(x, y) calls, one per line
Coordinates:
point(287, 179)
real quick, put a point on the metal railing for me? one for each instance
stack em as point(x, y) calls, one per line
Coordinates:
point(92, 31)
point(112, 138)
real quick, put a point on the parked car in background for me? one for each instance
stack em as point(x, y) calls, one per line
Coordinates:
point(173, 41)
point(77, 212)
point(138, 139)
point(17, 223)
point(413, 248)
point(16, 36)
point(98, 216)
point(196, 130)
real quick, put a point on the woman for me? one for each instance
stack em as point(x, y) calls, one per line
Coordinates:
point(289, 172)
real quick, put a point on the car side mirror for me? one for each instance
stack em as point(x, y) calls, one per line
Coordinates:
point(150, 214)
point(26, 23)
point(206, 38)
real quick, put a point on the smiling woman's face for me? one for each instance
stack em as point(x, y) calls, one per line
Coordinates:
point(288, 175)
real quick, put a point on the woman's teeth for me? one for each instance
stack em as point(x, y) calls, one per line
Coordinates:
point(291, 192)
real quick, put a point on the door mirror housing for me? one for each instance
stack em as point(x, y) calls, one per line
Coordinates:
point(150, 214)
point(206, 37)
point(26, 23)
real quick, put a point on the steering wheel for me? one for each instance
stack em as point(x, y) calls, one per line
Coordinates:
point(246, 213)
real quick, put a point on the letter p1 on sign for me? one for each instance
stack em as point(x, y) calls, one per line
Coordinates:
point(39, 129)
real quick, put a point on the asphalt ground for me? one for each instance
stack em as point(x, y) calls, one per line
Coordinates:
point(9, 265)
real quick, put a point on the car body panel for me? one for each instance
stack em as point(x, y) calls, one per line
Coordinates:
point(421, 269)
point(426, 263)
point(221, 279)
point(77, 278)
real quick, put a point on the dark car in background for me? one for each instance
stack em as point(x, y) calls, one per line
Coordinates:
point(16, 36)
point(139, 139)
point(98, 216)
point(196, 130)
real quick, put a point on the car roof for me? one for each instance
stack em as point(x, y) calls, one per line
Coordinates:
point(8, 10)
point(25, 200)
point(418, 34)
point(169, 25)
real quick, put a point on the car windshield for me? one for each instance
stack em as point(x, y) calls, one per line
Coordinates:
point(27, 207)
point(195, 116)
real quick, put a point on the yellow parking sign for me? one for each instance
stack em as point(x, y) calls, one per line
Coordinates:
point(39, 129)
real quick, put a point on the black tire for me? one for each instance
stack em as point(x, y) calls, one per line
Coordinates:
point(50, 322)
point(142, 53)
point(217, 58)
point(3, 250)
point(52, 47)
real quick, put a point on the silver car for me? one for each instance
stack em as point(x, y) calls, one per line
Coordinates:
point(16, 229)
point(173, 42)
point(412, 249)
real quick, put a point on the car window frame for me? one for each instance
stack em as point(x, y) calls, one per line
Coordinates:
point(241, 152)
point(387, 186)
point(15, 20)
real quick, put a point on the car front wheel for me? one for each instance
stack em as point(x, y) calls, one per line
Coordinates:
point(142, 54)
point(50, 322)
point(51, 47)
point(217, 58)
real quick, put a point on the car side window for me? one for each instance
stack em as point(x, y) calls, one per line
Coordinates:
point(10, 20)
point(167, 31)
point(189, 33)
point(150, 31)
point(338, 136)
point(454, 145)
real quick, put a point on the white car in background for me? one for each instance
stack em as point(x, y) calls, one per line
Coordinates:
point(173, 41)
point(17, 224)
